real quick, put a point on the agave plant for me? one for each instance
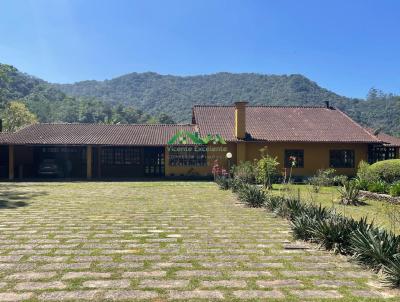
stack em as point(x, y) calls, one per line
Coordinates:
point(349, 193)
point(391, 271)
point(236, 185)
point(374, 247)
point(273, 202)
point(289, 208)
point(318, 213)
point(252, 195)
point(223, 182)
point(333, 233)
point(302, 227)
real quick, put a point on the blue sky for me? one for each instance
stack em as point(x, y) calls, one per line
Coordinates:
point(345, 46)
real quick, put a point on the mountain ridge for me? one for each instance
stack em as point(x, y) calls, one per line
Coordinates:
point(154, 94)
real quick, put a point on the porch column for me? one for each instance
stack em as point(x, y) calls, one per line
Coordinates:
point(89, 159)
point(10, 162)
point(99, 162)
point(240, 152)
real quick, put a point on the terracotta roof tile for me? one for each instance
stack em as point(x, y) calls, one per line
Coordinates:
point(4, 137)
point(297, 124)
point(96, 134)
point(390, 141)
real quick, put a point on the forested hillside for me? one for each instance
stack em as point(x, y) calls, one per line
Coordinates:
point(174, 95)
point(140, 97)
point(50, 104)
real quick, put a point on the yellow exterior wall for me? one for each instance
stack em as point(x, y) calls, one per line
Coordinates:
point(316, 156)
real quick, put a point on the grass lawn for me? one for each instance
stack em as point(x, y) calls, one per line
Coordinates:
point(378, 211)
point(159, 241)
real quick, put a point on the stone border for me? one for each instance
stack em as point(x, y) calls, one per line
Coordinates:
point(381, 197)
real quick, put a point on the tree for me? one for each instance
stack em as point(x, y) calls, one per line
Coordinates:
point(266, 168)
point(165, 119)
point(17, 115)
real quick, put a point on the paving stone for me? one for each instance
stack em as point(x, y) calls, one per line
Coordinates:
point(144, 274)
point(303, 273)
point(17, 266)
point(106, 283)
point(352, 274)
point(265, 265)
point(279, 283)
point(196, 294)
point(92, 258)
point(219, 264)
point(31, 276)
point(258, 294)
point(171, 264)
point(13, 297)
point(13, 258)
point(87, 295)
point(164, 283)
point(121, 265)
point(117, 295)
point(317, 294)
point(82, 275)
point(141, 257)
point(334, 283)
point(224, 283)
point(188, 274)
point(250, 274)
point(40, 285)
point(367, 294)
point(64, 266)
point(48, 258)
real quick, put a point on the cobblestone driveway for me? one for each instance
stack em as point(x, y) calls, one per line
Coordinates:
point(159, 241)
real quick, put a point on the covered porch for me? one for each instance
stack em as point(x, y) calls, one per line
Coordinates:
point(18, 162)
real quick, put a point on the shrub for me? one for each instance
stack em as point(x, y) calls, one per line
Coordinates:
point(273, 202)
point(223, 182)
point(302, 227)
point(333, 233)
point(364, 175)
point(391, 271)
point(373, 247)
point(349, 193)
point(386, 170)
point(266, 169)
point(322, 178)
point(394, 189)
point(378, 186)
point(236, 185)
point(245, 171)
point(252, 195)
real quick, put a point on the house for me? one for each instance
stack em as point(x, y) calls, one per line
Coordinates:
point(318, 137)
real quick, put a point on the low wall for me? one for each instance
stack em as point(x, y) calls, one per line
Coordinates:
point(377, 196)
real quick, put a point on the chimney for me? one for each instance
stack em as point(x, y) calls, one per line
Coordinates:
point(1, 125)
point(327, 105)
point(240, 119)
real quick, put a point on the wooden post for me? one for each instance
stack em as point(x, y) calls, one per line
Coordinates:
point(99, 162)
point(89, 157)
point(10, 162)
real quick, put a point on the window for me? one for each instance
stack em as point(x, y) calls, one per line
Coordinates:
point(120, 156)
point(380, 152)
point(342, 158)
point(297, 156)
